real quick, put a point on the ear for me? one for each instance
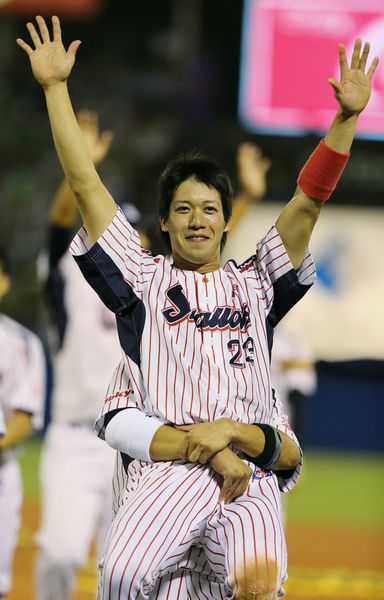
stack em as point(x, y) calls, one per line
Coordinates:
point(228, 226)
point(163, 224)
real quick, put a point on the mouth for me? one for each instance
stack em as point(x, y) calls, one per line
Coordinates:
point(197, 238)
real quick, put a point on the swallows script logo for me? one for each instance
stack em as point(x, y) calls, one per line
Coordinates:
point(223, 317)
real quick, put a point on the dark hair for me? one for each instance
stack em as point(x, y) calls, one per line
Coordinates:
point(4, 263)
point(193, 165)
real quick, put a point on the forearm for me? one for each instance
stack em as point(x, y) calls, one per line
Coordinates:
point(295, 225)
point(18, 428)
point(166, 444)
point(297, 220)
point(130, 431)
point(341, 132)
point(250, 439)
point(95, 204)
point(69, 142)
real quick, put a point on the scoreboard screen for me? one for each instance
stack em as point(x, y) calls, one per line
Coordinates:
point(290, 49)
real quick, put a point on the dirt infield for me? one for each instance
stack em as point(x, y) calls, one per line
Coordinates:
point(325, 563)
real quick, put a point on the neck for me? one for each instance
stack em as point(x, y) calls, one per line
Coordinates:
point(184, 265)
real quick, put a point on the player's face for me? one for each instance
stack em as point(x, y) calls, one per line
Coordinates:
point(195, 225)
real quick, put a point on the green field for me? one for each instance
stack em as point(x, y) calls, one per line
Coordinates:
point(340, 488)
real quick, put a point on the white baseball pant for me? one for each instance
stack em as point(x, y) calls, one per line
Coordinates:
point(171, 511)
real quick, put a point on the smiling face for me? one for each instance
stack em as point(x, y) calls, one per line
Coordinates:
point(195, 225)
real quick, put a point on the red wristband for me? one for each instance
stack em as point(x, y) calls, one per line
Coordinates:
point(321, 172)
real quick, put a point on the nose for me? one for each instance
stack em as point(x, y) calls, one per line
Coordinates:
point(196, 220)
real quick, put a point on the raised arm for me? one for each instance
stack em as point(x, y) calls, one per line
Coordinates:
point(252, 169)
point(324, 167)
point(64, 212)
point(51, 66)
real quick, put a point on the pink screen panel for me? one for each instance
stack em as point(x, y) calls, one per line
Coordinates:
point(290, 49)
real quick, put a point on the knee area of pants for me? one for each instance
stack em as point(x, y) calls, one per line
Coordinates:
point(130, 577)
point(257, 582)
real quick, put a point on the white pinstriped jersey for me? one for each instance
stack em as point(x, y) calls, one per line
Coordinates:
point(22, 371)
point(195, 347)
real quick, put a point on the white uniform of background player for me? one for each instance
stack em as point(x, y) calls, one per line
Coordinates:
point(292, 371)
point(22, 388)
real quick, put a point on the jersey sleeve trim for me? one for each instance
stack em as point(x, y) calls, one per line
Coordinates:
point(287, 479)
point(271, 270)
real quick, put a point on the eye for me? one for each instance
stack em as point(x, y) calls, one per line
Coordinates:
point(210, 209)
point(182, 209)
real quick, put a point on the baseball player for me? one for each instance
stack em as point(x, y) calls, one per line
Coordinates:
point(196, 341)
point(22, 386)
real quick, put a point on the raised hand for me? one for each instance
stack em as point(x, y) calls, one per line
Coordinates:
point(98, 143)
point(354, 88)
point(252, 168)
point(50, 62)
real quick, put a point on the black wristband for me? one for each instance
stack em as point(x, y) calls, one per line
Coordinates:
point(272, 447)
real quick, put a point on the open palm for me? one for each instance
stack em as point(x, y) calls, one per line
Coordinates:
point(50, 62)
point(354, 88)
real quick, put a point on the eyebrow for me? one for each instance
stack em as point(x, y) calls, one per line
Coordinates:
point(181, 201)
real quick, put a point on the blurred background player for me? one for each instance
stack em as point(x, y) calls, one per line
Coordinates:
point(2, 422)
point(293, 372)
point(22, 387)
point(76, 467)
